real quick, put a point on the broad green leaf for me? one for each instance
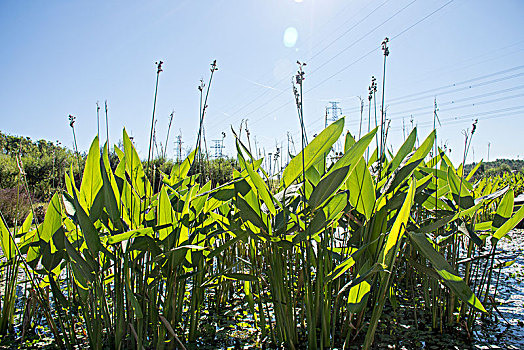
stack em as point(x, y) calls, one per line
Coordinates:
point(249, 214)
point(360, 184)
point(165, 214)
point(504, 210)
point(313, 176)
point(135, 170)
point(399, 227)
point(339, 270)
point(510, 224)
point(362, 189)
point(111, 192)
point(89, 231)
point(424, 149)
point(449, 276)
point(474, 170)
point(352, 156)
point(240, 276)
point(336, 204)
point(199, 201)
point(259, 184)
point(464, 200)
point(358, 296)
point(91, 180)
point(318, 147)
point(147, 231)
point(7, 244)
point(408, 165)
point(83, 271)
point(52, 219)
point(179, 171)
point(328, 186)
point(404, 150)
point(57, 293)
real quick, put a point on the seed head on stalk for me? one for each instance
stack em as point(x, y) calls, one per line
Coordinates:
point(151, 149)
point(202, 110)
point(72, 120)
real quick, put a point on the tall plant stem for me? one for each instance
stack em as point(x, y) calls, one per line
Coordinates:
point(97, 120)
point(382, 121)
point(149, 153)
point(107, 128)
point(361, 112)
point(203, 108)
point(167, 135)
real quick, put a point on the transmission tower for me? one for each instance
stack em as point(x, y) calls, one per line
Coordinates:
point(333, 112)
point(219, 146)
point(179, 148)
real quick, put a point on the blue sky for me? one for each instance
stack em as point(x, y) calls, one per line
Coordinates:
point(61, 57)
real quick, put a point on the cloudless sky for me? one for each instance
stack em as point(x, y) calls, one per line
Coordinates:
point(61, 57)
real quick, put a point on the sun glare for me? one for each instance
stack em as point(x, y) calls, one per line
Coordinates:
point(290, 37)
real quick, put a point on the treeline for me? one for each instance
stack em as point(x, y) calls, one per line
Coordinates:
point(497, 167)
point(30, 171)
point(43, 165)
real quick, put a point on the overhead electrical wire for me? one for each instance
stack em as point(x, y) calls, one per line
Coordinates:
point(336, 55)
point(309, 59)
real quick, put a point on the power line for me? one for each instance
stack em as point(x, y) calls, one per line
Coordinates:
point(347, 66)
point(361, 38)
point(463, 82)
point(311, 57)
point(459, 106)
point(427, 93)
point(479, 115)
point(330, 59)
point(461, 118)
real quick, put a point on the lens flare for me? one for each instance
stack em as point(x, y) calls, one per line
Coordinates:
point(290, 37)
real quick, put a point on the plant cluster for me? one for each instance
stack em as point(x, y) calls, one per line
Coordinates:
point(314, 263)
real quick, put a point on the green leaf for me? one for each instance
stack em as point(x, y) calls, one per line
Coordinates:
point(408, 165)
point(134, 169)
point(358, 296)
point(179, 171)
point(57, 293)
point(399, 227)
point(52, 219)
point(319, 146)
point(464, 200)
point(473, 171)
point(504, 210)
point(327, 187)
point(259, 184)
point(362, 189)
point(249, 214)
point(352, 156)
point(111, 192)
point(7, 244)
point(449, 276)
point(240, 276)
point(424, 149)
point(509, 224)
point(89, 231)
point(81, 269)
point(165, 214)
point(340, 269)
point(336, 204)
point(91, 179)
point(404, 150)
point(148, 231)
